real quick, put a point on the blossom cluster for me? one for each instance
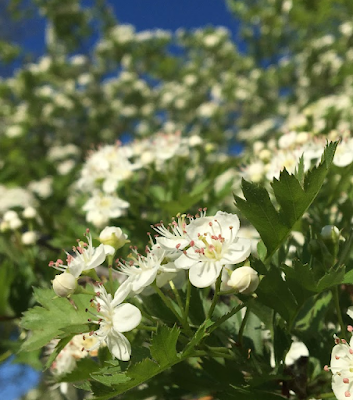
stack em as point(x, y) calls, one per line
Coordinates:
point(270, 158)
point(206, 246)
point(107, 168)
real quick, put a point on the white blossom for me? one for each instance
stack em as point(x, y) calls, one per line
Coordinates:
point(85, 258)
point(114, 319)
point(213, 244)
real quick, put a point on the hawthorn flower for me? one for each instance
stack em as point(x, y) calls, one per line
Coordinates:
point(101, 207)
point(342, 368)
point(214, 243)
point(86, 258)
point(114, 319)
point(174, 237)
point(142, 271)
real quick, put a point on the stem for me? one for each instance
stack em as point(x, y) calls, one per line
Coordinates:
point(5, 356)
point(177, 296)
point(110, 268)
point(167, 302)
point(226, 317)
point(215, 296)
point(187, 301)
point(147, 328)
point(326, 396)
point(242, 327)
point(147, 316)
point(227, 292)
point(338, 310)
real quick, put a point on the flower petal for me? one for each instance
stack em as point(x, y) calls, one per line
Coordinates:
point(145, 278)
point(97, 259)
point(122, 292)
point(126, 317)
point(185, 262)
point(203, 274)
point(119, 346)
point(339, 387)
point(237, 252)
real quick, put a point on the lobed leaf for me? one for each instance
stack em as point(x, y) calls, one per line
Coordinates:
point(293, 197)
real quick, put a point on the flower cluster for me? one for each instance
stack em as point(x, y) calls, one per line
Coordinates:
point(272, 157)
point(106, 169)
point(202, 245)
point(206, 246)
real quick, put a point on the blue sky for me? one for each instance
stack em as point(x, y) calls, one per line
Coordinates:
point(150, 14)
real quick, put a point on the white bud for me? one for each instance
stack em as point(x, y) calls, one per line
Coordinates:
point(330, 232)
point(113, 236)
point(64, 284)
point(15, 223)
point(29, 237)
point(29, 212)
point(10, 215)
point(244, 279)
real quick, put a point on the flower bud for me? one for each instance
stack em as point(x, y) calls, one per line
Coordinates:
point(29, 237)
point(244, 279)
point(330, 233)
point(29, 212)
point(114, 237)
point(64, 284)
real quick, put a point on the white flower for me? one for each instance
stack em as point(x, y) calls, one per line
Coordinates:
point(114, 319)
point(214, 243)
point(43, 188)
point(86, 257)
point(141, 271)
point(100, 208)
point(344, 153)
point(342, 368)
point(244, 279)
point(174, 236)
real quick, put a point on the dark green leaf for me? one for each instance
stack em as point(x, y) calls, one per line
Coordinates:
point(273, 291)
point(294, 198)
point(59, 317)
point(163, 345)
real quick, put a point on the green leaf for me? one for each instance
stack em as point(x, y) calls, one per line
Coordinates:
point(294, 198)
point(163, 350)
point(62, 343)
point(261, 213)
point(332, 278)
point(59, 317)
point(163, 345)
point(300, 280)
point(299, 171)
point(111, 379)
point(198, 336)
point(83, 370)
point(137, 374)
point(273, 291)
point(311, 316)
